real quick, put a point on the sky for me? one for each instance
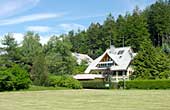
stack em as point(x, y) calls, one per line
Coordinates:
point(56, 17)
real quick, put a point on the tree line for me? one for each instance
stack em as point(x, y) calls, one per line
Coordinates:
point(132, 29)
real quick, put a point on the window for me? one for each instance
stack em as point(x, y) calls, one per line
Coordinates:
point(104, 65)
point(120, 52)
point(120, 73)
point(113, 73)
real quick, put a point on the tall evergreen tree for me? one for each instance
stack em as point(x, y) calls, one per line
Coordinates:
point(39, 71)
point(137, 31)
point(109, 32)
point(121, 30)
point(94, 42)
point(31, 47)
point(150, 63)
point(10, 51)
point(158, 17)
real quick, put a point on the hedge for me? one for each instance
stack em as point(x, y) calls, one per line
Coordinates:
point(146, 84)
point(96, 84)
point(64, 81)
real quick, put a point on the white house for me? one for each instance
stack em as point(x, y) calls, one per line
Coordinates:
point(115, 62)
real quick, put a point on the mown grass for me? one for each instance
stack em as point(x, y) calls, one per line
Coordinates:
point(42, 88)
point(86, 100)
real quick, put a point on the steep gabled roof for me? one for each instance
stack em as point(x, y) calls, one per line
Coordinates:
point(122, 57)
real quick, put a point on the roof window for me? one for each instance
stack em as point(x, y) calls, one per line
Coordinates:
point(120, 52)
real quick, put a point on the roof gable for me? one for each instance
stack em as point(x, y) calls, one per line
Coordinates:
point(106, 57)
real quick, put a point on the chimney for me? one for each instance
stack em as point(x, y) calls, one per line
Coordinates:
point(112, 48)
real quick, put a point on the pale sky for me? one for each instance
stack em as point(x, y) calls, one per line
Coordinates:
point(49, 17)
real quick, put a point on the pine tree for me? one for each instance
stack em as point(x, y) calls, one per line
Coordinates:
point(158, 18)
point(150, 63)
point(136, 30)
point(39, 71)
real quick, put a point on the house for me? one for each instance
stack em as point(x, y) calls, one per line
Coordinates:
point(82, 57)
point(115, 62)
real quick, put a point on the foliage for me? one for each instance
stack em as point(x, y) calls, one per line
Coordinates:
point(14, 78)
point(10, 51)
point(150, 63)
point(21, 78)
point(31, 48)
point(79, 69)
point(158, 18)
point(136, 30)
point(6, 81)
point(59, 57)
point(166, 46)
point(130, 30)
point(64, 81)
point(39, 71)
point(146, 84)
point(96, 84)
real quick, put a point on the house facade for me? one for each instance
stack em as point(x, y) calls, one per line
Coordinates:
point(115, 62)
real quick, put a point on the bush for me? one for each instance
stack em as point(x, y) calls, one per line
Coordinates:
point(14, 78)
point(146, 84)
point(64, 81)
point(6, 81)
point(96, 84)
point(21, 78)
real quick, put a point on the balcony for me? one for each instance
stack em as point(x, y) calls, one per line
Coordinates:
point(107, 64)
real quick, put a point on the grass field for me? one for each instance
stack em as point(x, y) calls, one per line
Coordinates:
point(86, 100)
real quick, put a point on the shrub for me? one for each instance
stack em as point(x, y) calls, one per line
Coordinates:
point(146, 84)
point(96, 84)
point(6, 81)
point(64, 81)
point(53, 80)
point(14, 78)
point(21, 78)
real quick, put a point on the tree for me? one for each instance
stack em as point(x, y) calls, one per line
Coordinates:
point(10, 51)
point(121, 30)
point(158, 18)
point(94, 41)
point(39, 71)
point(59, 57)
point(78, 41)
point(109, 32)
point(137, 31)
point(79, 69)
point(31, 48)
point(150, 63)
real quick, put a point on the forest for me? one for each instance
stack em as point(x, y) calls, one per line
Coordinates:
point(146, 31)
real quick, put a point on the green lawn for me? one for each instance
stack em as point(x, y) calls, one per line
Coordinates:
point(86, 100)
